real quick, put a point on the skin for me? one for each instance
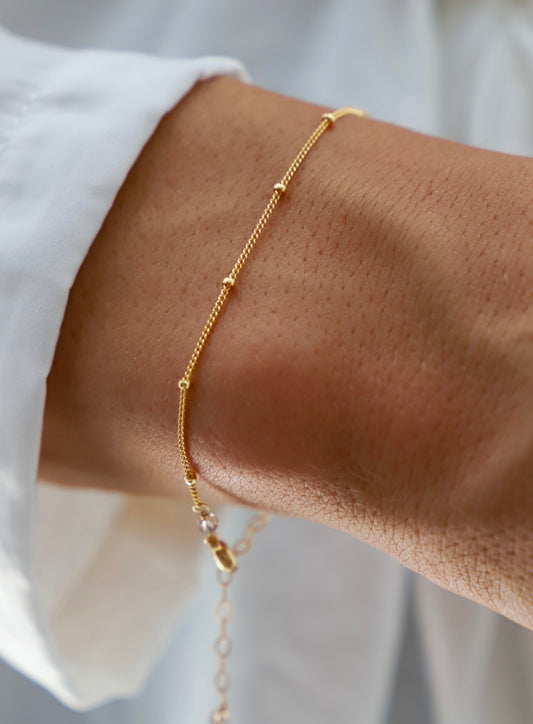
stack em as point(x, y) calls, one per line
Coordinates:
point(373, 367)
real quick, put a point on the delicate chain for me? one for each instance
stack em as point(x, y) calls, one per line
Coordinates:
point(226, 557)
point(223, 613)
point(222, 647)
point(256, 524)
point(228, 282)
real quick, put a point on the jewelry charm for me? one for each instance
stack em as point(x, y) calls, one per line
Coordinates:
point(224, 557)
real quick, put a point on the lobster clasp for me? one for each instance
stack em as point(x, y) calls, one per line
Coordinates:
point(223, 555)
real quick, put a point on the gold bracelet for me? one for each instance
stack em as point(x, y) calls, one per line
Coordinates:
point(225, 556)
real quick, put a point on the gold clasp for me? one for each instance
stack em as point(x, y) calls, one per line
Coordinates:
point(223, 555)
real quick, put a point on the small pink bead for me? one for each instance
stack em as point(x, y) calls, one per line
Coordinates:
point(209, 524)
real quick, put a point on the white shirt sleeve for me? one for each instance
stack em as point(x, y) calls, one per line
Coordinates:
point(91, 583)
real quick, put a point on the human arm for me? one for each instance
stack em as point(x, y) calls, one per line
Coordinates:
point(372, 370)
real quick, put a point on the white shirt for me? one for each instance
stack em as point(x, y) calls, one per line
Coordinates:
point(94, 586)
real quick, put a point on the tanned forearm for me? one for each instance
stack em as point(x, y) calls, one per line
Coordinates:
point(373, 367)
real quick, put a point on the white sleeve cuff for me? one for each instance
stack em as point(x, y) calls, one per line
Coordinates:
point(87, 613)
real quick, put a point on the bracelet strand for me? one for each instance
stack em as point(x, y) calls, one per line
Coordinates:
point(225, 556)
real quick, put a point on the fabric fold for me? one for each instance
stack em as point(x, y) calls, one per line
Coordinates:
point(72, 123)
